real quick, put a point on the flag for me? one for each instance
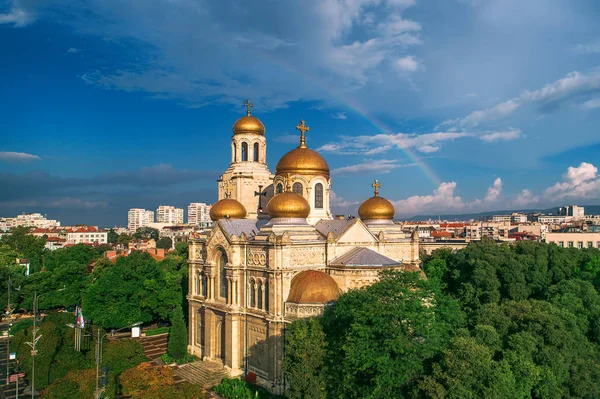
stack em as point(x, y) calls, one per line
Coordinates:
point(79, 321)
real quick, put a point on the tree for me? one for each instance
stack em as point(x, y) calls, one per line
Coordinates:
point(178, 336)
point(146, 233)
point(112, 236)
point(304, 360)
point(124, 239)
point(31, 247)
point(164, 243)
point(379, 337)
point(182, 249)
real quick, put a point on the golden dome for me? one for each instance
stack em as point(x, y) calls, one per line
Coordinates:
point(288, 205)
point(302, 160)
point(248, 124)
point(227, 208)
point(376, 207)
point(313, 286)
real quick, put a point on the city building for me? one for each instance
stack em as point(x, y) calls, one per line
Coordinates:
point(169, 214)
point(199, 214)
point(575, 238)
point(137, 218)
point(514, 217)
point(87, 235)
point(28, 220)
point(577, 212)
point(276, 254)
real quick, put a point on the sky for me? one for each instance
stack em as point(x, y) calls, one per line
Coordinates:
point(455, 106)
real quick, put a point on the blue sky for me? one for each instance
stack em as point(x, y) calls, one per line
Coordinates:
point(454, 105)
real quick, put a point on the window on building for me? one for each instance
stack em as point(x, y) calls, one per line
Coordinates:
point(266, 297)
point(580, 244)
point(561, 244)
point(279, 188)
point(256, 152)
point(252, 294)
point(198, 284)
point(297, 188)
point(234, 153)
point(222, 275)
point(318, 196)
point(570, 244)
point(590, 244)
point(260, 295)
point(244, 152)
point(204, 285)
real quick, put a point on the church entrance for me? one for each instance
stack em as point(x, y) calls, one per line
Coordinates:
point(220, 341)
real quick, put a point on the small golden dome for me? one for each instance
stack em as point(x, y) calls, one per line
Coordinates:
point(227, 208)
point(313, 286)
point(302, 160)
point(249, 124)
point(288, 205)
point(376, 207)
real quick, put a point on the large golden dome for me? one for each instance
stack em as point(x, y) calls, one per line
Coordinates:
point(227, 208)
point(376, 207)
point(288, 205)
point(313, 286)
point(302, 160)
point(248, 124)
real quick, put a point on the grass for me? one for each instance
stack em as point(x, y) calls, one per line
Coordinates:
point(156, 331)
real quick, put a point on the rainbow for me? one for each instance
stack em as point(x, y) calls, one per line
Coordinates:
point(359, 111)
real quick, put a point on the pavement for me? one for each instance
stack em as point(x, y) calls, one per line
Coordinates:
point(8, 391)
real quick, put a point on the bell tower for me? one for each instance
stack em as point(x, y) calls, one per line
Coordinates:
point(248, 178)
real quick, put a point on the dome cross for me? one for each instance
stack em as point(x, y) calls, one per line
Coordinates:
point(248, 105)
point(303, 129)
point(376, 186)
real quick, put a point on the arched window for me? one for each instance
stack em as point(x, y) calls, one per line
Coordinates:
point(244, 152)
point(297, 188)
point(204, 285)
point(279, 188)
point(234, 152)
point(318, 196)
point(222, 276)
point(260, 295)
point(252, 294)
point(266, 296)
point(256, 152)
point(198, 283)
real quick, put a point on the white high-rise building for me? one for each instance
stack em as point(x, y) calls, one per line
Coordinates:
point(199, 213)
point(578, 212)
point(137, 217)
point(169, 214)
point(36, 220)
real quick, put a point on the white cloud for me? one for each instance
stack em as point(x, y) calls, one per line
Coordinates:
point(17, 16)
point(591, 104)
point(575, 87)
point(339, 115)
point(72, 50)
point(523, 199)
point(501, 136)
point(426, 143)
point(406, 64)
point(379, 166)
point(589, 48)
point(579, 182)
point(18, 157)
point(494, 192)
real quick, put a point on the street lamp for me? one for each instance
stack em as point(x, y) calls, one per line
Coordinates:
point(34, 340)
point(99, 352)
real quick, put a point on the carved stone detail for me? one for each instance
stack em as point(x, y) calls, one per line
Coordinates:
point(303, 257)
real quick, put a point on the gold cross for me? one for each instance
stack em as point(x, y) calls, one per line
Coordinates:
point(376, 186)
point(227, 189)
point(303, 128)
point(288, 183)
point(248, 105)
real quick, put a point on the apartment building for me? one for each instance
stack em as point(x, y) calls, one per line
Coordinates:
point(573, 238)
point(577, 212)
point(199, 213)
point(28, 220)
point(137, 217)
point(87, 235)
point(169, 214)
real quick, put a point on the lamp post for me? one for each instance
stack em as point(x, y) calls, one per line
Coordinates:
point(8, 313)
point(99, 352)
point(34, 340)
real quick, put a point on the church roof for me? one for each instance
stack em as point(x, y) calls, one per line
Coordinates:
point(238, 226)
point(361, 256)
point(338, 227)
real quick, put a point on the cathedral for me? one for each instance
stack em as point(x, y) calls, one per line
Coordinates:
point(275, 253)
